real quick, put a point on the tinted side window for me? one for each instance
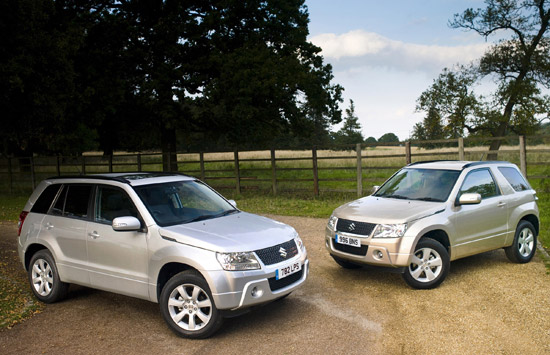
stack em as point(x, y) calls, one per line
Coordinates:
point(77, 200)
point(43, 203)
point(515, 179)
point(112, 203)
point(481, 182)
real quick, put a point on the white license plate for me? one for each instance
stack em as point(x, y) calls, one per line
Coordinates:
point(287, 270)
point(353, 242)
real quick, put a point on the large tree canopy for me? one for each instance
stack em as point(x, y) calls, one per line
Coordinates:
point(135, 74)
point(518, 62)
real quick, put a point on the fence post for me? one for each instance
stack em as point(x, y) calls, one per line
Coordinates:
point(32, 173)
point(10, 177)
point(273, 172)
point(408, 152)
point(139, 162)
point(58, 165)
point(83, 165)
point(359, 171)
point(522, 156)
point(237, 174)
point(315, 172)
point(460, 148)
point(201, 158)
point(111, 163)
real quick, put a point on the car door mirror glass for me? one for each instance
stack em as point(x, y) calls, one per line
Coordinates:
point(233, 203)
point(127, 223)
point(469, 199)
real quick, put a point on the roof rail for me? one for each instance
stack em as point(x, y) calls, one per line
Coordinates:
point(475, 163)
point(430, 161)
point(95, 177)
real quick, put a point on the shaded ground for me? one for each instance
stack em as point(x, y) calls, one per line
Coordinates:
point(486, 305)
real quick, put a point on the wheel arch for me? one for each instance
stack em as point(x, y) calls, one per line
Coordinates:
point(533, 220)
point(30, 251)
point(440, 236)
point(167, 271)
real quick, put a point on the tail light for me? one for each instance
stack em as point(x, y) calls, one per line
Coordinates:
point(22, 217)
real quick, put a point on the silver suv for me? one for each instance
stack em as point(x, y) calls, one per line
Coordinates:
point(165, 238)
point(430, 213)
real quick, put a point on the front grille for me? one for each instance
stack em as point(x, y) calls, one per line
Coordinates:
point(349, 249)
point(272, 255)
point(360, 228)
point(275, 284)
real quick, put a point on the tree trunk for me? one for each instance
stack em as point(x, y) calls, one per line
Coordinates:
point(168, 145)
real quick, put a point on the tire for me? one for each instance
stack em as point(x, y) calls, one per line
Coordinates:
point(345, 264)
point(44, 278)
point(430, 265)
point(187, 306)
point(524, 245)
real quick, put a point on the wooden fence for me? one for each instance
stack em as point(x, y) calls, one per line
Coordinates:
point(277, 171)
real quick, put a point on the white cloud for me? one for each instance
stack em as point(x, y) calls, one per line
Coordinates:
point(361, 48)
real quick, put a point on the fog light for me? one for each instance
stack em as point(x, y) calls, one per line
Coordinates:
point(378, 254)
point(256, 292)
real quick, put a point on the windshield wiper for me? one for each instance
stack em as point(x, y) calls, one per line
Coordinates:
point(429, 199)
point(210, 216)
point(400, 197)
point(225, 213)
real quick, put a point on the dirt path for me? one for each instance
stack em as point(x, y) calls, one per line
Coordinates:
point(486, 305)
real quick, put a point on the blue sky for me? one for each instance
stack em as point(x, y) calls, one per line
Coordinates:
point(386, 53)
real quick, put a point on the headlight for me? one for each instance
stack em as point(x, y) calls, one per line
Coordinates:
point(299, 243)
point(238, 261)
point(389, 230)
point(332, 222)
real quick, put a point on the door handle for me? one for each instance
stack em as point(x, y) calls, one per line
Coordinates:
point(48, 226)
point(94, 235)
point(501, 204)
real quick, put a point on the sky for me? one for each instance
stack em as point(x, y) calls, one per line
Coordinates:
point(386, 53)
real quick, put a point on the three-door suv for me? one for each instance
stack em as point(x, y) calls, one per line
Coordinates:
point(430, 213)
point(166, 238)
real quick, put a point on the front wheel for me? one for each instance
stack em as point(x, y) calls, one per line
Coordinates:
point(429, 266)
point(187, 306)
point(523, 247)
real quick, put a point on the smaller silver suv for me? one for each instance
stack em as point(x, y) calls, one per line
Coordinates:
point(165, 238)
point(430, 213)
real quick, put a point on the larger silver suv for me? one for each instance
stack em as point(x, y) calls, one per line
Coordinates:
point(430, 213)
point(169, 239)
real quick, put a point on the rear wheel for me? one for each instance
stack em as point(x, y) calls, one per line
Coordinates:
point(524, 245)
point(44, 278)
point(344, 263)
point(429, 265)
point(187, 306)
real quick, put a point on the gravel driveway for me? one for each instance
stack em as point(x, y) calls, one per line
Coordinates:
point(486, 305)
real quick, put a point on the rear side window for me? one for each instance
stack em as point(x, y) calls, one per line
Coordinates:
point(43, 203)
point(515, 179)
point(73, 201)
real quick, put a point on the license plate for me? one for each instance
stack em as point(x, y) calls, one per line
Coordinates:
point(353, 242)
point(288, 270)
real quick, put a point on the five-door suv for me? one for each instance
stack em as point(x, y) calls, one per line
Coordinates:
point(166, 238)
point(430, 213)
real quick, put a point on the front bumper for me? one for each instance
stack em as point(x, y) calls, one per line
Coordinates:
point(233, 290)
point(387, 252)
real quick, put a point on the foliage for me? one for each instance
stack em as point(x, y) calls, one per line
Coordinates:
point(350, 133)
point(388, 138)
point(81, 75)
point(518, 62)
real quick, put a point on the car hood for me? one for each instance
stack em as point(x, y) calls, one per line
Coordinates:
point(375, 209)
point(237, 232)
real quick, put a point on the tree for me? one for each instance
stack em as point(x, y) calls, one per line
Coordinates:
point(518, 62)
point(388, 138)
point(430, 129)
point(350, 133)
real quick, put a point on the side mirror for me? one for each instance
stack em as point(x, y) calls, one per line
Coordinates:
point(121, 224)
point(233, 203)
point(374, 189)
point(469, 199)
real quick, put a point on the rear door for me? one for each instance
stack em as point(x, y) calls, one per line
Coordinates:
point(64, 230)
point(118, 261)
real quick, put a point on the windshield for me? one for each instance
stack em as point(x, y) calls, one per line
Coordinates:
point(183, 202)
point(420, 184)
